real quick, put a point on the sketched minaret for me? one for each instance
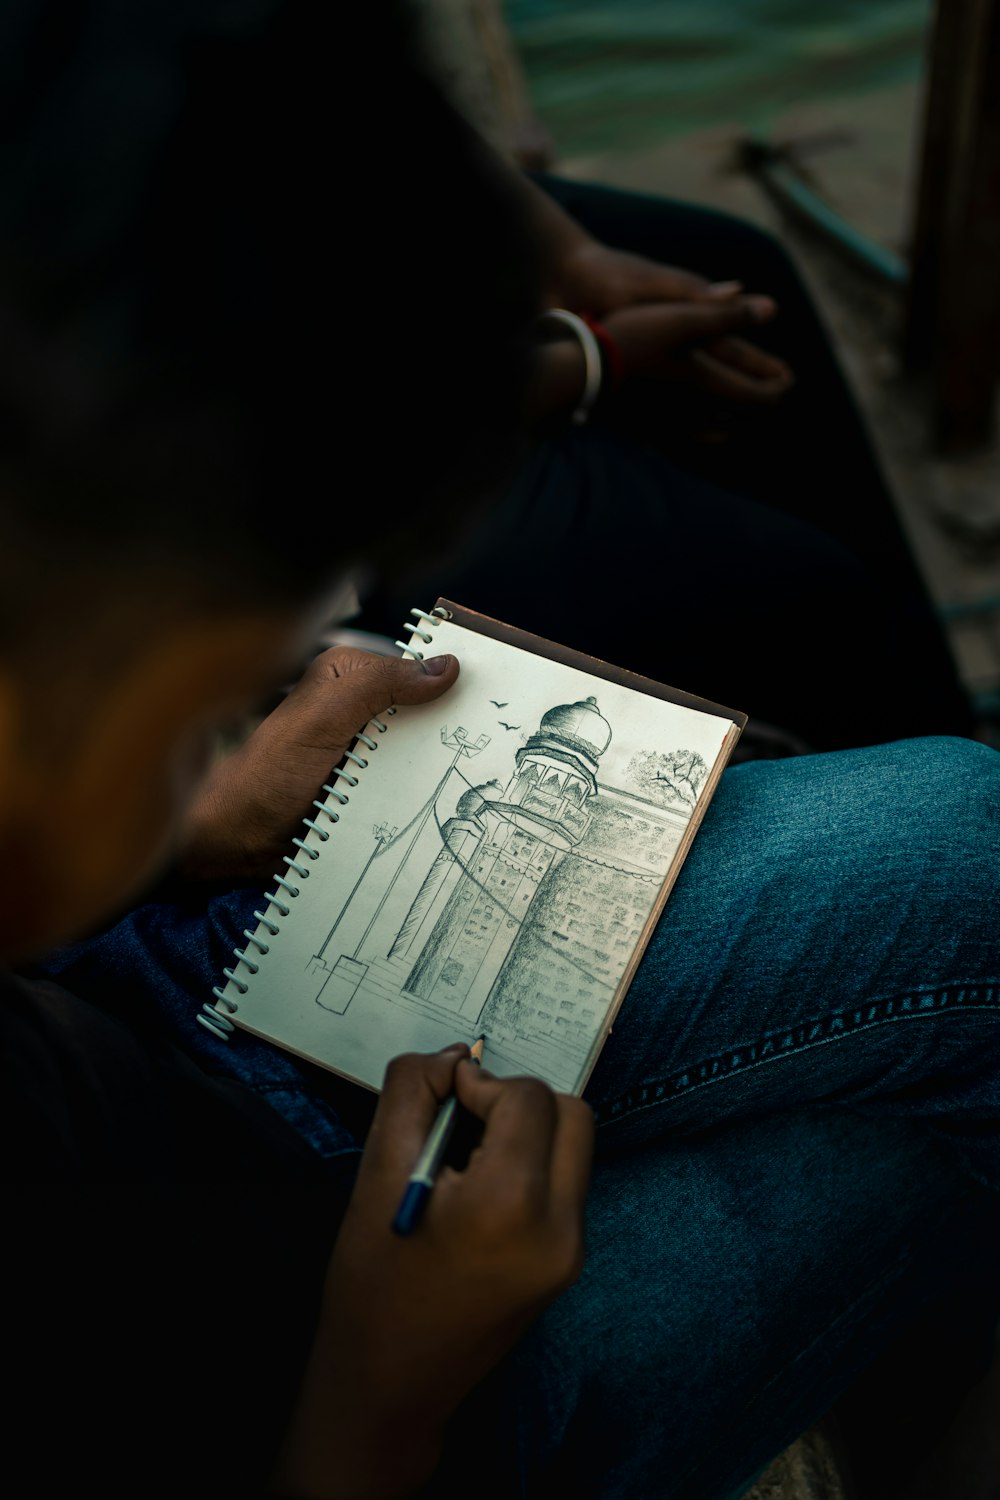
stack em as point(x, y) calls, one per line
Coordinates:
point(497, 849)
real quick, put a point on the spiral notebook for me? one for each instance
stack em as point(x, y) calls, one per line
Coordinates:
point(492, 863)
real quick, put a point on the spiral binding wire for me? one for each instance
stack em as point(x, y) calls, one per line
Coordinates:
point(215, 1017)
point(434, 618)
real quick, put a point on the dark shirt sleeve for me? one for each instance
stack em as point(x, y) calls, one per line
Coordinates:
point(155, 968)
point(166, 1239)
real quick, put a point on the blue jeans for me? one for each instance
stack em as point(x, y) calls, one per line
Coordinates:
point(798, 1123)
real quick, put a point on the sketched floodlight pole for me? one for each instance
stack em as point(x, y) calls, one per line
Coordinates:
point(383, 834)
point(342, 981)
point(459, 741)
point(461, 744)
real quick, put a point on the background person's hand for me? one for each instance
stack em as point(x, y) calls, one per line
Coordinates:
point(598, 279)
point(593, 277)
point(252, 803)
point(410, 1325)
point(698, 344)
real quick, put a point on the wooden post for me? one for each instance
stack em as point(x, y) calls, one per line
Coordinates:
point(952, 326)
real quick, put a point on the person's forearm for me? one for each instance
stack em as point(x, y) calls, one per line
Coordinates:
point(359, 1433)
point(557, 232)
point(362, 1452)
point(558, 385)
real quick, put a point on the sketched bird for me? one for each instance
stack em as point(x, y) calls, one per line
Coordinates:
point(499, 705)
point(507, 726)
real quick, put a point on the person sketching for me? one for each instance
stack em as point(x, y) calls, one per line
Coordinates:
point(790, 1147)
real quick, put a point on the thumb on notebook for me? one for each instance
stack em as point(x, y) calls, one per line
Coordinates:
point(251, 805)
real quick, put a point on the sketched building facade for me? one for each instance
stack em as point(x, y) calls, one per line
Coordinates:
point(582, 929)
point(497, 852)
point(532, 909)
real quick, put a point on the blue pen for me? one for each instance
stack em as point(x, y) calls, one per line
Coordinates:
point(418, 1189)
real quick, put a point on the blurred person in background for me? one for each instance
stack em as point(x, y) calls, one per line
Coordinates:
point(722, 512)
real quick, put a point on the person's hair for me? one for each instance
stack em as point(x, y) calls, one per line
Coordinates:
point(265, 306)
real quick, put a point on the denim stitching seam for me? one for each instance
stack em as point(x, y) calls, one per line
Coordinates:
point(789, 1041)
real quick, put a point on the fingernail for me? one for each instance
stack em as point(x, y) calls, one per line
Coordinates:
point(761, 308)
point(723, 289)
point(435, 665)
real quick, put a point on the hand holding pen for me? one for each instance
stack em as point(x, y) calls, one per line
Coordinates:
point(411, 1323)
point(428, 1164)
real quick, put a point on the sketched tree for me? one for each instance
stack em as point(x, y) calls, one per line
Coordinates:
point(669, 776)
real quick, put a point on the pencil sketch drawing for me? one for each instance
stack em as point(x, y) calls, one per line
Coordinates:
point(675, 778)
point(527, 891)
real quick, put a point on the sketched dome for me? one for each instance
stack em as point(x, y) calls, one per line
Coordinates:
point(471, 801)
point(579, 725)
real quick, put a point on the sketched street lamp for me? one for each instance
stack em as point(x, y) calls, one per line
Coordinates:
point(348, 971)
point(383, 834)
point(461, 744)
point(459, 741)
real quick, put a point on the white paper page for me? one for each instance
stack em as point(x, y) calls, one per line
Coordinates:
point(490, 873)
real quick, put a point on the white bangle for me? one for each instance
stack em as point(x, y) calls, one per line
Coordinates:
point(591, 359)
